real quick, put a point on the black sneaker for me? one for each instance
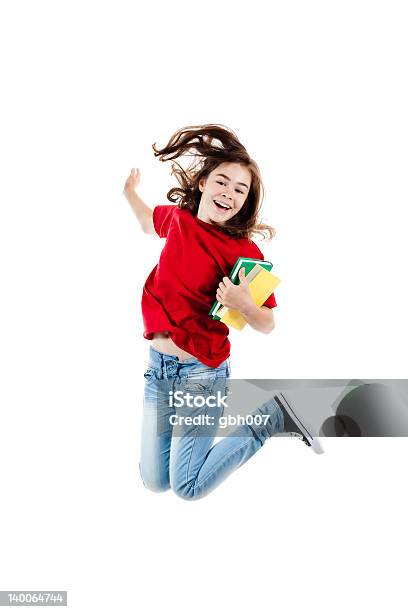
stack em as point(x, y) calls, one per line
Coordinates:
point(296, 426)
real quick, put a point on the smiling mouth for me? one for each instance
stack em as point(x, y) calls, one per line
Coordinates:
point(221, 205)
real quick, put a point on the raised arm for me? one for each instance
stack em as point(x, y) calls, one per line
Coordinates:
point(143, 213)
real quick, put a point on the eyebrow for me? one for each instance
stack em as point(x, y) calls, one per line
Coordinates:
point(228, 179)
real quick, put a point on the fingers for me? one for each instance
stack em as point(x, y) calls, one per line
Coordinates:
point(242, 275)
point(133, 179)
point(220, 296)
point(134, 174)
point(228, 293)
point(223, 288)
point(225, 283)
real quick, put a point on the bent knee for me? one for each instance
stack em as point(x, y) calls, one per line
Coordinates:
point(155, 486)
point(187, 491)
point(153, 482)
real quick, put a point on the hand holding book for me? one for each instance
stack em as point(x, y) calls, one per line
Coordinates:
point(233, 296)
point(258, 283)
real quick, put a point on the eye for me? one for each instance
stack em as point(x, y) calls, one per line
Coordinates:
point(220, 182)
point(239, 191)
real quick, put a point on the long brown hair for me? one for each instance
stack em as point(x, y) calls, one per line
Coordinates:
point(210, 145)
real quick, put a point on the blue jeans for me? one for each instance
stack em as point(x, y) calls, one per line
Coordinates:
point(188, 462)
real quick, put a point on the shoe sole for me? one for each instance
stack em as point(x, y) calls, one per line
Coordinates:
point(312, 441)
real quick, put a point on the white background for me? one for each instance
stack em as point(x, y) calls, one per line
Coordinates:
point(317, 92)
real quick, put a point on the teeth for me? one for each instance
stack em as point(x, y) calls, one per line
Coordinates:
point(223, 205)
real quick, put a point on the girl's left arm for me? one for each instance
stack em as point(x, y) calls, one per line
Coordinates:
point(239, 298)
point(260, 318)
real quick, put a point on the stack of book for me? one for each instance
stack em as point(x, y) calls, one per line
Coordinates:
point(262, 284)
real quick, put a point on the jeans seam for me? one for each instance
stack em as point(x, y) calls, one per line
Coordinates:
point(191, 452)
point(194, 441)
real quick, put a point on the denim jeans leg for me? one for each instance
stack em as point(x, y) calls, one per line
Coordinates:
point(155, 449)
point(197, 466)
point(190, 446)
point(187, 459)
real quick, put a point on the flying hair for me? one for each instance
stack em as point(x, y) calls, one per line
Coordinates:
point(208, 146)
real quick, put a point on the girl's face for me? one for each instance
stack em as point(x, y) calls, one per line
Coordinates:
point(224, 192)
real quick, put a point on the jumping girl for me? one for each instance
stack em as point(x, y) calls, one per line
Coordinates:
point(211, 222)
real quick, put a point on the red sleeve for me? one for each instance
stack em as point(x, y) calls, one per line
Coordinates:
point(270, 302)
point(162, 216)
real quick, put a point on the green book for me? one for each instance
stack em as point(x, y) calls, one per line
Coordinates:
point(242, 262)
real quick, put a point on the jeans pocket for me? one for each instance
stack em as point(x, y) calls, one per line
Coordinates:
point(201, 374)
point(150, 374)
point(197, 385)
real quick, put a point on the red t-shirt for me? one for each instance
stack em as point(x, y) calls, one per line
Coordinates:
point(180, 290)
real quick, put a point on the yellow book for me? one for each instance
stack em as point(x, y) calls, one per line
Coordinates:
point(260, 288)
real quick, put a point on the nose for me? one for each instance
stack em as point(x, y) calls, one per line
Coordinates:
point(225, 194)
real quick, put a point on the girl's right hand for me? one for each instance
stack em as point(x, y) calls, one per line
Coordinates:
point(132, 180)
